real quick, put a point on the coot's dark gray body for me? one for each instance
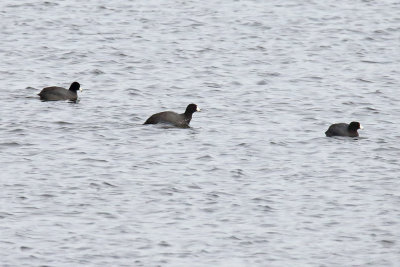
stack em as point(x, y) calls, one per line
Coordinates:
point(173, 118)
point(344, 129)
point(55, 93)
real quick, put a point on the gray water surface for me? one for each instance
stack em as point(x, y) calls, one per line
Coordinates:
point(253, 182)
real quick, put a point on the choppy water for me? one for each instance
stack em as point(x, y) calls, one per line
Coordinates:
point(254, 182)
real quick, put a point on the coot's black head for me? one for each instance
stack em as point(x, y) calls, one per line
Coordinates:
point(354, 126)
point(75, 86)
point(192, 108)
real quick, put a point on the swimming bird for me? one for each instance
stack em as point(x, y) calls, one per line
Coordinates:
point(55, 93)
point(173, 118)
point(344, 129)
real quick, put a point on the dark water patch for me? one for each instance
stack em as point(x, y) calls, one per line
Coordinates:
point(25, 248)
point(18, 130)
point(97, 72)
point(10, 144)
point(262, 82)
point(364, 80)
point(135, 92)
point(375, 62)
point(63, 123)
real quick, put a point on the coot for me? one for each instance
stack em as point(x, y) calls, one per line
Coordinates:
point(344, 129)
point(55, 93)
point(173, 118)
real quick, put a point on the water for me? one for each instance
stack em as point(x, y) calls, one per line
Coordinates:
point(254, 182)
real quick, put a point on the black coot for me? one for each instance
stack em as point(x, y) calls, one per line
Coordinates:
point(55, 93)
point(344, 129)
point(170, 117)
